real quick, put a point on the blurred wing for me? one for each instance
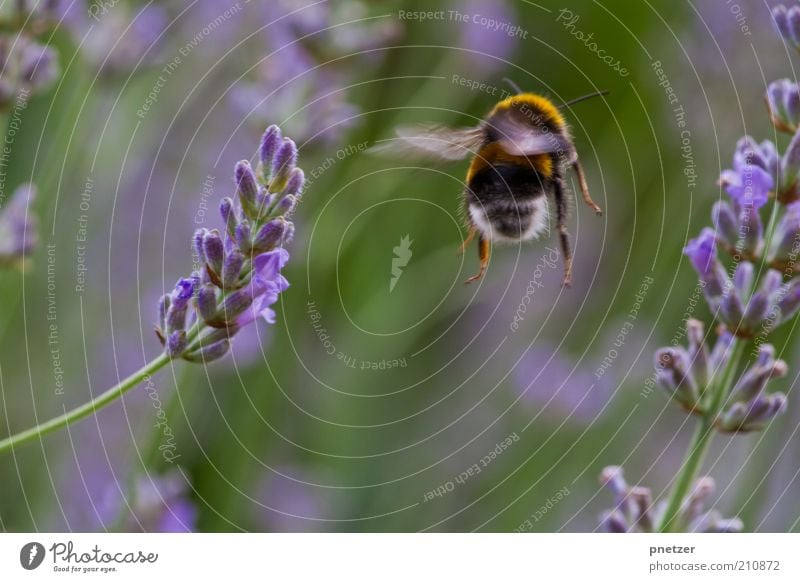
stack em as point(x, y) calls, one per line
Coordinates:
point(521, 138)
point(434, 141)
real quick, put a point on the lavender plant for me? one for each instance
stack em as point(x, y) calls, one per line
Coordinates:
point(237, 280)
point(750, 294)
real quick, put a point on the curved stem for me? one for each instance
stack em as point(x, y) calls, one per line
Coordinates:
point(87, 409)
point(697, 450)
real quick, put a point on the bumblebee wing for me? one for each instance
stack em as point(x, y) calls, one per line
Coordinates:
point(520, 138)
point(434, 141)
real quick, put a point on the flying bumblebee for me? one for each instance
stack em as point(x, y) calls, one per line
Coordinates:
point(519, 153)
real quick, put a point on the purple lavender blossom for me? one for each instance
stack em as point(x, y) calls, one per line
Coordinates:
point(18, 232)
point(240, 277)
point(635, 511)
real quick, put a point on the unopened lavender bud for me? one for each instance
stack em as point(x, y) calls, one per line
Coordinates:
point(270, 142)
point(732, 311)
point(246, 184)
point(753, 415)
point(264, 201)
point(207, 302)
point(209, 353)
point(232, 307)
point(176, 343)
point(613, 522)
point(743, 278)
point(693, 505)
point(282, 165)
point(786, 241)
point(163, 308)
point(790, 301)
point(288, 235)
point(777, 100)
point(642, 501)
point(781, 23)
point(297, 180)
point(243, 236)
point(197, 243)
point(285, 205)
point(771, 282)
point(790, 166)
point(231, 269)
point(726, 223)
point(756, 312)
point(214, 250)
point(219, 334)
point(269, 236)
point(793, 22)
point(613, 477)
point(699, 354)
point(722, 350)
point(228, 214)
point(752, 231)
point(674, 376)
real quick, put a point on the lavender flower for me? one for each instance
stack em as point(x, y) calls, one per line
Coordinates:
point(26, 68)
point(312, 58)
point(750, 303)
point(240, 277)
point(18, 234)
point(635, 511)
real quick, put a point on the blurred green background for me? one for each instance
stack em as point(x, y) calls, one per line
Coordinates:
point(309, 426)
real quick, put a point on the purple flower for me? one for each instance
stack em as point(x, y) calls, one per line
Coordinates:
point(18, 233)
point(635, 511)
point(702, 253)
point(748, 183)
point(240, 277)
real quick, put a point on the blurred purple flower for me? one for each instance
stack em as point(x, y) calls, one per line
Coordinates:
point(18, 233)
point(291, 503)
point(307, 61)
point(491, 47)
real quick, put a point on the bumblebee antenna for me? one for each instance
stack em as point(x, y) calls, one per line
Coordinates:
point(585, 97)
point(513, 85)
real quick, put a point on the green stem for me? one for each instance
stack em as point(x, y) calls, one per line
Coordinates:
point(87, 409)
point(702, 438)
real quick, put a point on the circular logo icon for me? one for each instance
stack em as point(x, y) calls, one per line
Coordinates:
point(31, 555)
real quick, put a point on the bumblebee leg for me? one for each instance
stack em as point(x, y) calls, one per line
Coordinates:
point(483, 256)
point(465, 244)
point(561, 218)
point(585, 187)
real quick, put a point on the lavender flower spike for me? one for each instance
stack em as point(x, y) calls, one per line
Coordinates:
point(241, 276)
point(636, 512)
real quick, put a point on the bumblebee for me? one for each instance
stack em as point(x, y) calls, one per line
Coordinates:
point(519, 154)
